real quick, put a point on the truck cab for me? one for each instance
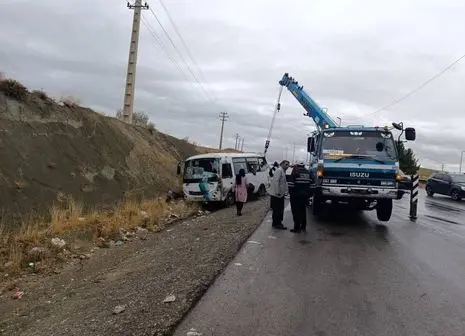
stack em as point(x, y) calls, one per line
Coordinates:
point(357, 165)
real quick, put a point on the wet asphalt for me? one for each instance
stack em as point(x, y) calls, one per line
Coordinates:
point(348, 275)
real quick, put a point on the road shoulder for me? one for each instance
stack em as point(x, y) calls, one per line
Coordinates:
point(181, 261)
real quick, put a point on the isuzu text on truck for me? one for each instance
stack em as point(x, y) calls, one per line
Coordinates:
point(352, 164)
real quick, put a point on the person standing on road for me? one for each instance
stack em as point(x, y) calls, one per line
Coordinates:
point(240, 187)
point(292, 198)
point(299, 193)
point(273, 169)
point(271, 173)
point(278, 189)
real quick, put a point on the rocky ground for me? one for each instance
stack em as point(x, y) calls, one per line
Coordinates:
point(143, 287)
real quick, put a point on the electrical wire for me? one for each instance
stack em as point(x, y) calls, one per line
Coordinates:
point(395, 102)
point(160, 43)
point(182, 40)
point(182, 58)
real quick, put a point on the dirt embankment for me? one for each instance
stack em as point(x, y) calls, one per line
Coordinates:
point(49, 152)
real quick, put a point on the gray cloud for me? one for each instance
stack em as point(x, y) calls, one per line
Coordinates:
point(353, 57)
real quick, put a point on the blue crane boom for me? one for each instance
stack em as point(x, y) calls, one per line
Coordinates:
point(320, 117)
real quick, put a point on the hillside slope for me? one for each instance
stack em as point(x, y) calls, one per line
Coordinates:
point(49, 152)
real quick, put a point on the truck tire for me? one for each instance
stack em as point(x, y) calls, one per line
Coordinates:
point(384, 210)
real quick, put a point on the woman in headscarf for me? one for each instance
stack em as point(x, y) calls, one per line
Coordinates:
point(240, 186)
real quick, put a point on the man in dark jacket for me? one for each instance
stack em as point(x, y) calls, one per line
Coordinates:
point(299, 191)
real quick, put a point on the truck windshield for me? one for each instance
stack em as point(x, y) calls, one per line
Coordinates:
point(201, 169)
point(378, 145)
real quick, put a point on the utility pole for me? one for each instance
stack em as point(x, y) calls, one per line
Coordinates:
point(293, 152)
point(242, 145)
point(223, 117)
point(128, 106)
point(236, 147)
point(442, 167)
point(461, 159)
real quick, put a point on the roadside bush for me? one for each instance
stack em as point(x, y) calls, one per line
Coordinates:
point(40, 94)
point(151, 128)
point(13, 89)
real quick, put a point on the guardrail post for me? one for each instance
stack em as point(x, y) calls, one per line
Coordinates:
point(414, 197)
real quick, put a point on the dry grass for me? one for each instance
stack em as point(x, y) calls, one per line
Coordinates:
point(103, 225)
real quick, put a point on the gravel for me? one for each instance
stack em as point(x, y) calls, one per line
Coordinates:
point(180, 262)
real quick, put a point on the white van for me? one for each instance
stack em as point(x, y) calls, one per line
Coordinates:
point(210, 177)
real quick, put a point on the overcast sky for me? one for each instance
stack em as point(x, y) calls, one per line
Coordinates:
point(353, 57)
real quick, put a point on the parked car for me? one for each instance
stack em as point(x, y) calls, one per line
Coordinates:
point(443, 183)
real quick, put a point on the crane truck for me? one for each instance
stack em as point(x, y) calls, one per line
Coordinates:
point(356, 164)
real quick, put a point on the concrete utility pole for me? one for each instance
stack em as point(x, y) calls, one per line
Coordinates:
point(242, 145)
point(128, 106)
point(236, 147)
point(223, 117)
point(293, 152)
point(461, 159)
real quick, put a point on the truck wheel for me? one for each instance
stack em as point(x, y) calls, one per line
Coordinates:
point(384, 210)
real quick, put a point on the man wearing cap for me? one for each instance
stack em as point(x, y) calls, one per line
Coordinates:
point(299, 191)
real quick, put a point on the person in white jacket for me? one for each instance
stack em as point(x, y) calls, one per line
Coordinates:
point(278, 190)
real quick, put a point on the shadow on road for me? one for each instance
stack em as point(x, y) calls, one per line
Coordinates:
point(342, 220)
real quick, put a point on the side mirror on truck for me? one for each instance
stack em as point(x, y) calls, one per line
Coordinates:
point(178, 169)
point(410, 134)
point(311, 144)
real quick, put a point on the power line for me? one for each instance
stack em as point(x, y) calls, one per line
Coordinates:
point(158, 39)
point(160, 43)
point(415, 90)
point(182, 40)
point(182, 58)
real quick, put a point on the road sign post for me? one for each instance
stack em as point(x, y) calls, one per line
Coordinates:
point(414, 197)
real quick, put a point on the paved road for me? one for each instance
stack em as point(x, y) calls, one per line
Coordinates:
point(349, 275)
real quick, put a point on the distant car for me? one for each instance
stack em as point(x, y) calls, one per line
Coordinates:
point(452, 185)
